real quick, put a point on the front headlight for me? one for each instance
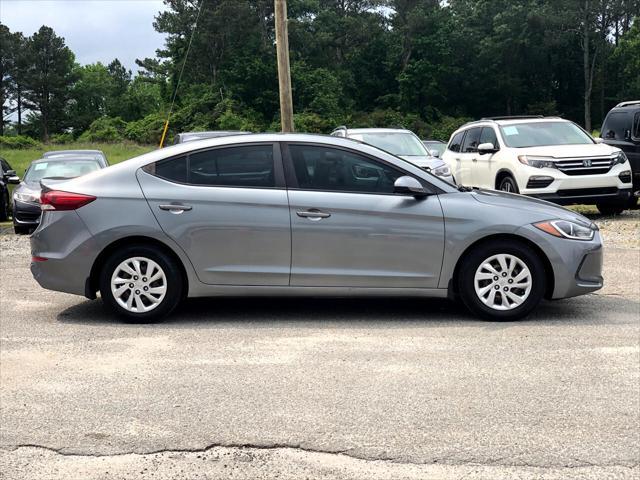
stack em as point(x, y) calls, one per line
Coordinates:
point(537, 162)
point(442, 171)
point(620, 159)
point(567, 229)
point(26, 197)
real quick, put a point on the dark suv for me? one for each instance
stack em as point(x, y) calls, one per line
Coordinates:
point(7, 176)
point(621, 128)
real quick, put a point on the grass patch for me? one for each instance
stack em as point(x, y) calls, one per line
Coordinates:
point(115, 152)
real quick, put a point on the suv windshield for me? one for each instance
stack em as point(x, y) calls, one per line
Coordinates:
point(398, 143)
point(540, 134)
point(60, 169)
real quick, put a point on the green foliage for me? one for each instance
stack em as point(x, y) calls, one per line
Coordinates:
point(61, 138)
point(443, 128)
point(146, 131)
point(18, 142)
point(105, 129)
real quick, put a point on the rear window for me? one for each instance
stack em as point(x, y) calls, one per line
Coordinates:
point(636, 126)
point(616, 125)
point(60, 169)
point(456, 142)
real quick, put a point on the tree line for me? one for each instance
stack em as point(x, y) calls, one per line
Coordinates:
point(425, 64)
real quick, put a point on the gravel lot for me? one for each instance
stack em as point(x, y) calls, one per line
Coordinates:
point(310, 388)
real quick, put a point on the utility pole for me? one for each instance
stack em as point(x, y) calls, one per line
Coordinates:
point(284, 70)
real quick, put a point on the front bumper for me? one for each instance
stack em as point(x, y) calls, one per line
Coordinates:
point(576, 264)
point(586, 196)
point(27, 214)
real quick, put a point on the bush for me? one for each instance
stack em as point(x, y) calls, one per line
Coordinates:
point(147, 130)
point(61, 138)
point(18, 142)
point(105, 129)
point(443, 129)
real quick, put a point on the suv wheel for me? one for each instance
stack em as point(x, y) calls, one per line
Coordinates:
point(610, 208)
point(4, 207)
point(508, 184)
point(502, 280)
point(141, 283)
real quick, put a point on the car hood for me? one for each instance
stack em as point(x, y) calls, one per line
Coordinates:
point(546, 210)
point(570, 151)
point(424, 161)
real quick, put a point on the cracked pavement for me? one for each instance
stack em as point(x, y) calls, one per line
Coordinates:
point(319, 388)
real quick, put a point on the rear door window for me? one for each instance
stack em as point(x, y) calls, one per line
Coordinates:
point(472, 140)
point(243, 166)
point(456, 142)
point(636, 126)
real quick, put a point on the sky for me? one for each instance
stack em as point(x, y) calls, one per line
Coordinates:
point(95, 30)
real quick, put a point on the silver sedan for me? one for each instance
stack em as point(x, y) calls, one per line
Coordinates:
point(274, 214)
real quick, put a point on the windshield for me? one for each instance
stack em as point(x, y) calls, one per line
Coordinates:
point(541, 134)
point(60, 169)
point(398, 143)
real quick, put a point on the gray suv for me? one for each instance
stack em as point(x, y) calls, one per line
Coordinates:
point(289, 214)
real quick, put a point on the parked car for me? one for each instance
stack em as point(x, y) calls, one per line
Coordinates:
point(621, 129)
point(192, 136)
point(400, 142)
point(53, 169)
point(291, 214)
point(545, 157)
point(435, 147)
point(79, 153)
point(7, 177)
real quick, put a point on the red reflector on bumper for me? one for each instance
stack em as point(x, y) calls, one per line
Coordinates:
point(39, 259)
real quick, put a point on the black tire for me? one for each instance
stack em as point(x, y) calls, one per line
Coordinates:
point(472, 261)
point(508, 184)
point(633, 202)
point(21, 229)
point(174, 283)
point(4, 207)
point(611, 208)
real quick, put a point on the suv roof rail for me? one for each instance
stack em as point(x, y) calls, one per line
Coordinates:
point(512, 117)
point(341, 128)
point(628, 103)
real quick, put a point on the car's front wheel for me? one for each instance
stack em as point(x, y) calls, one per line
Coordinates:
point(502, 280)
point(141, 283)
point(508, 184)
point(611, 208)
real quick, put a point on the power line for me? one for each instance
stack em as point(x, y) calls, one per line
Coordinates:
point(184, 63)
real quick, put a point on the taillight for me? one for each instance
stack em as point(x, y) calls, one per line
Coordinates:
point(57, 200)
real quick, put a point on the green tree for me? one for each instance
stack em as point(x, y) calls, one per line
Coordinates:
point(49, 79)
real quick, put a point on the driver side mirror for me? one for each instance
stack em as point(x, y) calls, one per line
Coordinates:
point(598, 140)
point(434, 153)
point(12, 178)
point(485, 148)
point(407, 185)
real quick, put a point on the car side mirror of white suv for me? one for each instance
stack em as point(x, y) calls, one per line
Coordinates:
point(485, 148)
point(598, 140)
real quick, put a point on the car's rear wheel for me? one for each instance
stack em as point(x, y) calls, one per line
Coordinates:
point(502, 280)
point(611, 208)
point(141, 283)
point(508, 184)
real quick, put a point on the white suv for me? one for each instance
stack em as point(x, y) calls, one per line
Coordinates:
point(545, 157)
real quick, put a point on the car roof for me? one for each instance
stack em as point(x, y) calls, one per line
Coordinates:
point(630, 104)
point(67, 158)
point(210, 134)
point(55, 153)
point(377, 130)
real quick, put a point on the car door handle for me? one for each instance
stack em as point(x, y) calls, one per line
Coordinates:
point(313, 214)
point(175, 208)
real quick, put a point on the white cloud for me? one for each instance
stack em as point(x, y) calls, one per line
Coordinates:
point(95, 30)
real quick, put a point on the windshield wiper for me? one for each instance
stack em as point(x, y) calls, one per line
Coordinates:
point(463, 188)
